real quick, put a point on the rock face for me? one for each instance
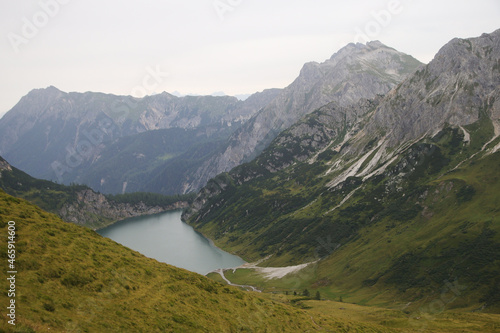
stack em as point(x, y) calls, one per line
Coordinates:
point(94, 210)
point(460, 85)
point(355, 72)
point(4, 166)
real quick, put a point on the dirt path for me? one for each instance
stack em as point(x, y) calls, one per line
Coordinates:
point(221, 273)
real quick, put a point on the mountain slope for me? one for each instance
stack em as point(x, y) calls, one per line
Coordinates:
point(78, 203)
point(394, 196)
point(133, 163)
point(355, 72)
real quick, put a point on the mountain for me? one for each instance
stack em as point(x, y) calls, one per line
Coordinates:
point(67, 137)
point(390, 200)
point(85, 138)
point(81, 205)
point(355, 72)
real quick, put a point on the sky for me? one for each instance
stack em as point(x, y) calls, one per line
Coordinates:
point(139, 48)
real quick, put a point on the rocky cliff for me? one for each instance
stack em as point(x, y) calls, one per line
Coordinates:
point(4, 166)
point(94, 210)
point(460, 85)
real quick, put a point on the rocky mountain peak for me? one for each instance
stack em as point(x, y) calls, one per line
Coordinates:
point(355, 72)
point(311, 71)
point(45, 91)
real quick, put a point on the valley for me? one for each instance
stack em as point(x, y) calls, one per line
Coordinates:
point(362, 197)
point(72, 279)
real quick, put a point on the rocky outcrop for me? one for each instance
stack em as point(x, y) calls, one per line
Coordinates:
point(354, 73)
point(77, 204)
point(4, 166)
point(95, 210)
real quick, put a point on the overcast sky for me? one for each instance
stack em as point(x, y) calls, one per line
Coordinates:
point(205, 46)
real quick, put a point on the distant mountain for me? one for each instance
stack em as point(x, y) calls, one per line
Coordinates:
point(242, 97)
point(70, 137)
point(392, 198)
point(355, 72)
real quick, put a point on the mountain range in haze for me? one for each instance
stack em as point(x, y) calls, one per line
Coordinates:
point(169, 144)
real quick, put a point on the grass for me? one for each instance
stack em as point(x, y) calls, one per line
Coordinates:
point(405, 321)
point(71, 279)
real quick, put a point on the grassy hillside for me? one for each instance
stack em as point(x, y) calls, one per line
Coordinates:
point(71, 279)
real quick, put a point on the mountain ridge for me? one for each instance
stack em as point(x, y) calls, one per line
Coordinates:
point(58, 136)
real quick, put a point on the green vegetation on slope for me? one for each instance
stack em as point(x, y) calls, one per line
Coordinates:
point(52, 197)
point(71, 279)
point(399, 237)
point(46, 194)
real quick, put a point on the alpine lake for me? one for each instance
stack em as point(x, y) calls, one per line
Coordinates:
point(166, 238)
